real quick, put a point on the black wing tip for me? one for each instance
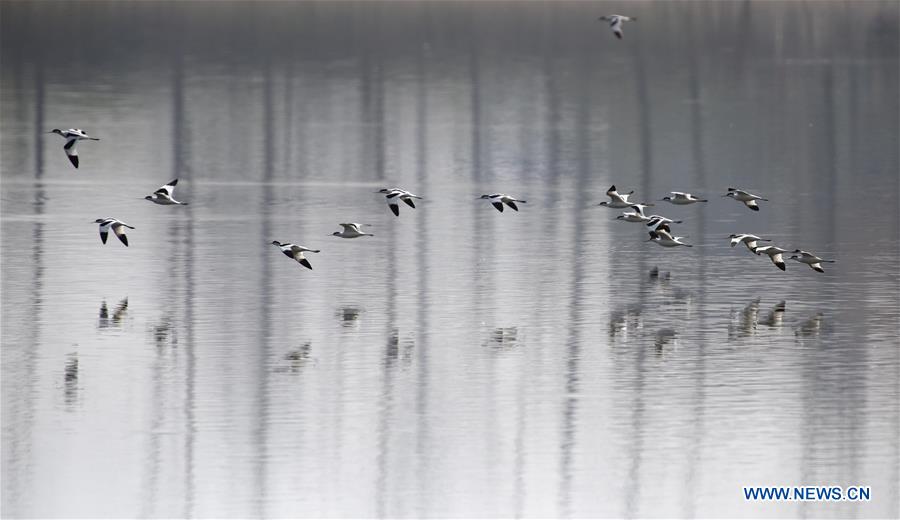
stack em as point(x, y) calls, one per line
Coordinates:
point(498, 205)
point(103, 237)
point(395, 209)
point(305, 263)
point(74, 160)
point(819, 269)
point(173, 183)
point(124, 240)
point(512, 205)
point(754, 208)
point(410, 203)
point(781, 266)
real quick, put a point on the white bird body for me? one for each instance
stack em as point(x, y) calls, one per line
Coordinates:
point(774, 254)
point(746, 197)
point(393, 195)
point(615, 22)
point(351, 230)
point(72, 136)
point(620, 200)
point(163, 195)
point(117, 226)
point(663, 238)
point(296, 252)
point(813, 261)
point(681, 198)
point(633, 217)
point(637, 215)
point(748, 240)
point(499, 199)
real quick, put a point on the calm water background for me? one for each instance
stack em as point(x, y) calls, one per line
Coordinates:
point(462, 362)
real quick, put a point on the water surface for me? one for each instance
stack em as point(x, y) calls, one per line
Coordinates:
point(461, 362)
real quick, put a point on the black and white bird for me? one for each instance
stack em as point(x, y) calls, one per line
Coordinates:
point(164, 195)
point(663, 238)
point(394, 195)
point(746, 197)
point(748, 240)
point(657, 221)
point(615, 22)
point(72, 136)
point(117, 226)
point(499, 199)
point(774, 254)
point(635, 216)
point(813, 261)
point(296, 252)
point(619, 200)
point(352, 230)
point(681, 198)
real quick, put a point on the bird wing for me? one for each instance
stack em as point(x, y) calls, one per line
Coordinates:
point(167, 188)
point(119, 229)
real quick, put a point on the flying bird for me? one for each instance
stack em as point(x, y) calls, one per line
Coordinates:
point(498, 199)
point(680, 198)
point(72, 136)
point(748, 240)
point(746, 197)
point(117, 226)
point(351, 230)
point(296, 252)
point(774, 254)
point(164, 195)
point(813, 261)
point(615, 22)
point(663, 238)
point(393, 195)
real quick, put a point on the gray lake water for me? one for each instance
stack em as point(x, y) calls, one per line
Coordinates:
point(461, 362)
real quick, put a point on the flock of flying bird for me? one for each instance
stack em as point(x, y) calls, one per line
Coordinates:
point(660, 231)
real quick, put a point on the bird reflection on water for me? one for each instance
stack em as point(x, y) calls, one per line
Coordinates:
point(349, 316)
point(812, 327)
point(776, 316)
point(106, 321)
point(70, 379)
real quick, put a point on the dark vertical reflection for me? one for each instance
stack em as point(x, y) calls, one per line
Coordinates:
point(422, 308)
point(570, 407)
point(633, 480)
point(388, 361)
point(180, 166)
point(698, 403)
point(475, 102)
point(643, 123)
point(261, 431)
point(288, 132)
point(372, 97)
point(17, 446)
point(551, 90)
point(39, 132)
